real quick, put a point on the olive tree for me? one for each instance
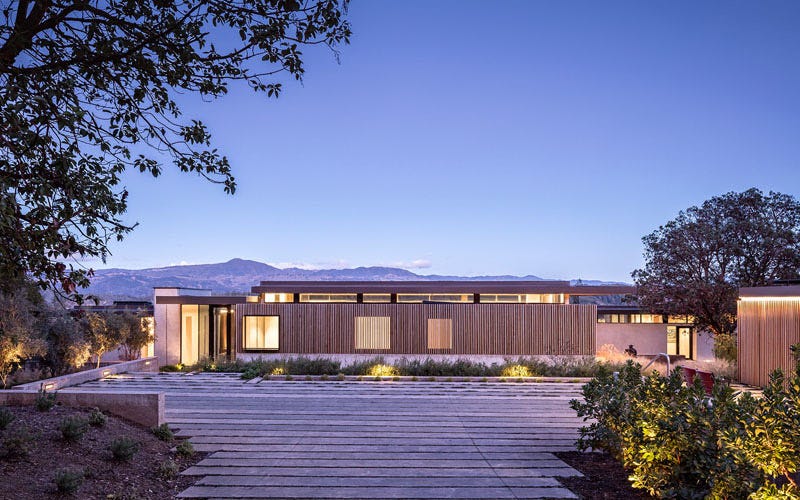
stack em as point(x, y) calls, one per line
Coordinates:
point(87, 92)
point(134, 332)
point(695, 263)
point(19, 339)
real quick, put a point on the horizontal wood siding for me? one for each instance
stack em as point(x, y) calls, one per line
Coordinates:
point(504, 329)
point(766, 329)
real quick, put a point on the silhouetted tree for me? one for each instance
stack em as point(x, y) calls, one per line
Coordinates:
point(696, 263)
point(86, 92)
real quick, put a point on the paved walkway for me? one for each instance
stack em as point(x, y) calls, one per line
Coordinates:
point(330, 439)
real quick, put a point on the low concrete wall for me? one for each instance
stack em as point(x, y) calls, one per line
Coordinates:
point(56, 383)
point(144, 408)
point(348, 359)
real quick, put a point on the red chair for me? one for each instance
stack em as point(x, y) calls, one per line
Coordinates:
point(708, 380)
point(688, 374)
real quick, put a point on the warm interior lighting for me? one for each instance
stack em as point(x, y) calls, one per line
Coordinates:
point(768, 299)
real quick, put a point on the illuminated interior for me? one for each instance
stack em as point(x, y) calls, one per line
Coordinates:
point(278, 297)
point(377, 298)
point(260, 332)
point(630, 318)
point(328, 297)
point(373, 332)
point(194, 333)
point(522, 298)
point(416, 298)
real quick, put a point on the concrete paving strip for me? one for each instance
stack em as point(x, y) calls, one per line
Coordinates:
point(367, 440)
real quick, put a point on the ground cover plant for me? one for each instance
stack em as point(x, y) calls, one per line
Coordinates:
point(36, 461)
point(551, 366)
point(676, 442)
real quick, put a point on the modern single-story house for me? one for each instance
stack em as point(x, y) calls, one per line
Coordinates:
point(768, 324)
point(458, 318)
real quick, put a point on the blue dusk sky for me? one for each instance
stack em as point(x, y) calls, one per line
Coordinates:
point(465, 137)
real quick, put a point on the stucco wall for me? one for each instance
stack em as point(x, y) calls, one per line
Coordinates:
point(167, 329)
point(648, 339)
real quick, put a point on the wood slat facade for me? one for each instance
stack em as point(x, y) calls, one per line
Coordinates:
point(766, 330)
point(490, 329)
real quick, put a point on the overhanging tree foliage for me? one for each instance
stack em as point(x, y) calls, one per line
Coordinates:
point(695, 263)
point(86, 92)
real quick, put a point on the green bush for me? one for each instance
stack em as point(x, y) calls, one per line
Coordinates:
point(45, 401)
point(123, 448)
point(6, 417)
point(725, 347)
point(68, 482)
point(73, 428)
point(97, 418)
point(340, 376)
point(167, 469)
point(171, 368)
point(185, 448)
point(17, 443)
point(678, 443)
point(163, 432)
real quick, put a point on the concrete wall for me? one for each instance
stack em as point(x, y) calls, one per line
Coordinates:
point(167, 329)
point(647, 338)
point(144, 408)
point(55, 383)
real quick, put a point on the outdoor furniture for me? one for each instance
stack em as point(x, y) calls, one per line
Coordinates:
point(688, 374)
point(708, 380)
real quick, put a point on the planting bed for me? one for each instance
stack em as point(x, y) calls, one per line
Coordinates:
point(32, 476)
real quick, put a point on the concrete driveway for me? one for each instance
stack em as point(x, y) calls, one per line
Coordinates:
point(359, 439)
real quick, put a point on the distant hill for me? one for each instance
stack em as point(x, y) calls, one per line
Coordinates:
point(238, 275)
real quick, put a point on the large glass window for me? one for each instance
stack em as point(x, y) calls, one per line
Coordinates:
point(194, 333)
point(260, 333)
point(373, 332)
point(440, 333)
point(327, 297)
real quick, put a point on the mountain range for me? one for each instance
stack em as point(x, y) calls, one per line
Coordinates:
point(238, 275)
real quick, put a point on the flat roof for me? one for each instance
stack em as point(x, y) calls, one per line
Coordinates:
point(203, 300)
point(770, 291)
point(486, 287)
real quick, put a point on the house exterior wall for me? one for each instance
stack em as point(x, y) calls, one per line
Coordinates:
point(647, 338)
point(167, 328)
point(767, 327)
point(489, 329)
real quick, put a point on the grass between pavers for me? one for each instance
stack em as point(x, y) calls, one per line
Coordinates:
point(511, 370)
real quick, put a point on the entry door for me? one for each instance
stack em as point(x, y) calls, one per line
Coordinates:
point(685, 342)
point(222, 332)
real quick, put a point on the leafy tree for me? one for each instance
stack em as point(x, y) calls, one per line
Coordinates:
point(66, 348)
point(696, 263)
point(86, 92)
point(133, 331)
point(18, 331)
point(100, 334)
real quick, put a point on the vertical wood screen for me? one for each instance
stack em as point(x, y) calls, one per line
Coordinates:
point(503, 329)
point(765, 330)
point(440, 333)
point(373, 332)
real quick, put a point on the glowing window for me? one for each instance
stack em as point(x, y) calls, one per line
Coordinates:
point(492, 298)
point(260, 332)
point(377, 297)
point(410, 298)
point(278, 297)
point(327, 297)
point(373, 332)
point(440, 333)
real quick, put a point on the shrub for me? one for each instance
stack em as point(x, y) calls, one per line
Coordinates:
point(308, 378)
point(168, 469)
point(516, 370)
point(17, 443)
point(68, 482)
point(340, 376)
point(163, 432)
point(97, 418)
point(73, 428)
point(171, 368)
point(250, 373)
point(288, 378)
point(414, 378)
point(725, 347)
point(123, 448)
point(324, 376)
point(45, 401)
point(6, 417)
point(381, 370)
point(185, 448)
